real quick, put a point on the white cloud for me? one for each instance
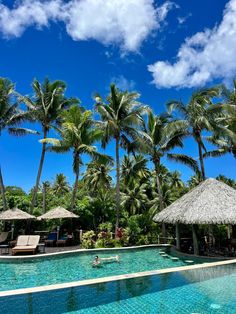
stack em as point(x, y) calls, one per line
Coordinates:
point(123, 84)
point(27, 13)
point(124, 22)
point(183, 19)
point(206, 56)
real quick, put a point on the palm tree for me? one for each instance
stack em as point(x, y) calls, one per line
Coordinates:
point(200, 115)
point(46, 107)
point(45, 188)
point(10, 117)
point(134, 170)
point(78, 133)
point(120, 114)
point(225, 137)
point(134, 199)
point(97, 176)
point(60, 185)
point(160, 135)
point(175, 180)
point(195, 180)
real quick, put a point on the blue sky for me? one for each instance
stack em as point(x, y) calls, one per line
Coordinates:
point(162, 49)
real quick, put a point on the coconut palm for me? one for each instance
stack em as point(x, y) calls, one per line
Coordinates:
point(134, 169)
point(195, 180)
point(200, 115)
point(175, 180)
point(161, 135)
point(45, 107)
point(97, 175)
point(225, 136)
point(60, 185)
point(121, 113)
point(78, 133)
point(10, 117)
point(134, 199)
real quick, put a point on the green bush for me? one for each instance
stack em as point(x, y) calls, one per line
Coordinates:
point(88, 240)
point(143, 240)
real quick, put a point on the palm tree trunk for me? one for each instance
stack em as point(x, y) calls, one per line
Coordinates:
point(161, 204)
point(2, 188)
point(201, 160)
point(117, 184)
point(44, 198)
point(36, 187)
point(74, 192)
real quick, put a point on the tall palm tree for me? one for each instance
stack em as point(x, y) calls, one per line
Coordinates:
point(225, 136)
point(78, 133)
point(161, 135)
point(46, 186)
point(10, 117)
point(121, 113)
point(97, 175)
point(60, 185)
point(45, 108)
point(200, 115)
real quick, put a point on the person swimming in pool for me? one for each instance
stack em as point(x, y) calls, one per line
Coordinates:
point(97, 261)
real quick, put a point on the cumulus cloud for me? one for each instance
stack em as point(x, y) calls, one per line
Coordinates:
point(206, 56)
point(124, 22)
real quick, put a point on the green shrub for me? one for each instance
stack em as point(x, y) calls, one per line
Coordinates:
point(88, 240)
point(143, 240)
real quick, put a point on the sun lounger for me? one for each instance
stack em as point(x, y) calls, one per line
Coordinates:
point(26, 243)
point(52, 238)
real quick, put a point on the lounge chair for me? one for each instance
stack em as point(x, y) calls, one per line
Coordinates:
point(52, 238)
point(3, 237)
point(26, 243)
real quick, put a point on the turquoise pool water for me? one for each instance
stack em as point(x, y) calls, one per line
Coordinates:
point(78, 266)
point(201, 291)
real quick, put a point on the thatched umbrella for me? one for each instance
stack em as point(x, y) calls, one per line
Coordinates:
point(211, 202)
point(57, 213)
point(15, 214)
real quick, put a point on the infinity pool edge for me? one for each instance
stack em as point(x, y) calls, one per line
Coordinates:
point(87, 282)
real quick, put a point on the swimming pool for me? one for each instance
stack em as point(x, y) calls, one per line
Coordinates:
point(205, 290)
point(35, 272)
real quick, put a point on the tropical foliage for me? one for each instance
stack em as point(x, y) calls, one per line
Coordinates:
point(127, 192)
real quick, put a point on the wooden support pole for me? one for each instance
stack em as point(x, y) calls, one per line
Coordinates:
point(177, 234)
point(163, 228)
point(195, 241)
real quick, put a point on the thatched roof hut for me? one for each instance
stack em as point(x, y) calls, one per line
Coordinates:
point(58, 213)
point(211, 202)
point(15, 214)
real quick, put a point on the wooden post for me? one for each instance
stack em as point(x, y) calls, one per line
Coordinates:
point(228, 232)
point(195, 241)
point(163, 231)
point(177, 233)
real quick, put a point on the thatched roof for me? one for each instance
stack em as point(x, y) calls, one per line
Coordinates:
point(58, 213)
point(211, 202)
point(15, 214)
